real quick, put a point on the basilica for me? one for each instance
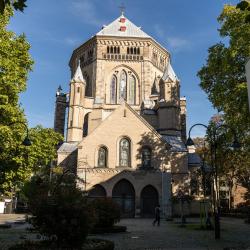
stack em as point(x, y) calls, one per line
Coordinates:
point(125, 120)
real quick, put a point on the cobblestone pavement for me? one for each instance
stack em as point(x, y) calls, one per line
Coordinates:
point(142, 235)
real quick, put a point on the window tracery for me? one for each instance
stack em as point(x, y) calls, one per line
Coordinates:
point(123, 86)
point(124, 149)
point(132, 87)
point(102, 157)
point(146, 157)
point(113, 90)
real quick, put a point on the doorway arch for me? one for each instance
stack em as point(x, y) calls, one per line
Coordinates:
point(123, 194)
point(149, 200)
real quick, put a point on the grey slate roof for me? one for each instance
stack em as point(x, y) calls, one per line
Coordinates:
point(68, 147)
point(176, 143)
point(169, 74)
point(113, 29)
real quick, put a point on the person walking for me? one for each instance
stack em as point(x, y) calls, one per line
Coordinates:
point(157, 215)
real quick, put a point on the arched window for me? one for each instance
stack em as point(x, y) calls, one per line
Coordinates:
point(102, 157)
point(108, 49)
point(115, 50)
point(113, 90)
point(86, 125)
point(135, 51)
point(132, 87)
point(118, 50)
point(138, 51)
point(146, 157)
point(111, 50)
point(127, 50)
point(124, 148)
point(123, 85)
point(131, 50)
point(88, 89)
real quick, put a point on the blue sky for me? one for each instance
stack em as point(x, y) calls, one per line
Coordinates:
point(187, 28)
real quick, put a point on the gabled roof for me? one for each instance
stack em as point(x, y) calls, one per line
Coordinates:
point(67, 147)
point(175, 142)
point(169, 74)
point(130, 30)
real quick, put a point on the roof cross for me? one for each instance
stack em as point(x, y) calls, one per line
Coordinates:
point(122, 8)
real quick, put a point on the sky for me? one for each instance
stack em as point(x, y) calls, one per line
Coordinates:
point(186, 28)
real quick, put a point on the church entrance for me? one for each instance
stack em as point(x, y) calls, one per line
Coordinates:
point(149, 200)
point(124, 195)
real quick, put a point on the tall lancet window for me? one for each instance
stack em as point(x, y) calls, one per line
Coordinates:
point(102, 157)
point(132, 90)
point(146, 157)
point(88, 89)
point(123, 86)
point(124, 152)
point(113, 90)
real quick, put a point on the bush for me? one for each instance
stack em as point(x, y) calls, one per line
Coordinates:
point(60, 210)
point(106, 211)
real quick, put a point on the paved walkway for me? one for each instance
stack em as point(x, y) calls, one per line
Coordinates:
point(141, 235)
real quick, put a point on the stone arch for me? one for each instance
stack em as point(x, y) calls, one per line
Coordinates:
point(149, 200)
point(123, 194)
point(97, 191)
point(116, 71)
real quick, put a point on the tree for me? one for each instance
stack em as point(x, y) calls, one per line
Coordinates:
point(16, 4)
point(223, 77)
point(16, 161)
point(17, 165)
point(59, 207)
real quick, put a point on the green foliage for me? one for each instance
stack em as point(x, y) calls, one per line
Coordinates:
point(59, 208)
point(16, 4)
point(15, 64)
point(107, 212)
point(223, 77)
point(18, 162)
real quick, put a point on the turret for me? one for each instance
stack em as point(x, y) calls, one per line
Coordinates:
point(60, 111)
point(169, 103)
point(76, 107)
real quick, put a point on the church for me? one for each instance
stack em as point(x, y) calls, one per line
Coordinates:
point(125, 120)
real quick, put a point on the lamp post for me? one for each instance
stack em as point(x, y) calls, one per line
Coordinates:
point(213, 150)
point(26, 142)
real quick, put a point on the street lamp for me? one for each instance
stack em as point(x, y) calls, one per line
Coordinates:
point(213, 149)
point(26, 142)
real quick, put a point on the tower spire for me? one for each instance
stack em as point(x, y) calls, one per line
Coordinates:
point(78, 74)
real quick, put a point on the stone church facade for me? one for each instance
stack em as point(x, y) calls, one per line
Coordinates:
point(126, 121)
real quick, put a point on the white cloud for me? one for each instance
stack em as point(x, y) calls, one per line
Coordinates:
point(86, 10)
point(72, 41)
point(177, 43)
point(173, 43)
